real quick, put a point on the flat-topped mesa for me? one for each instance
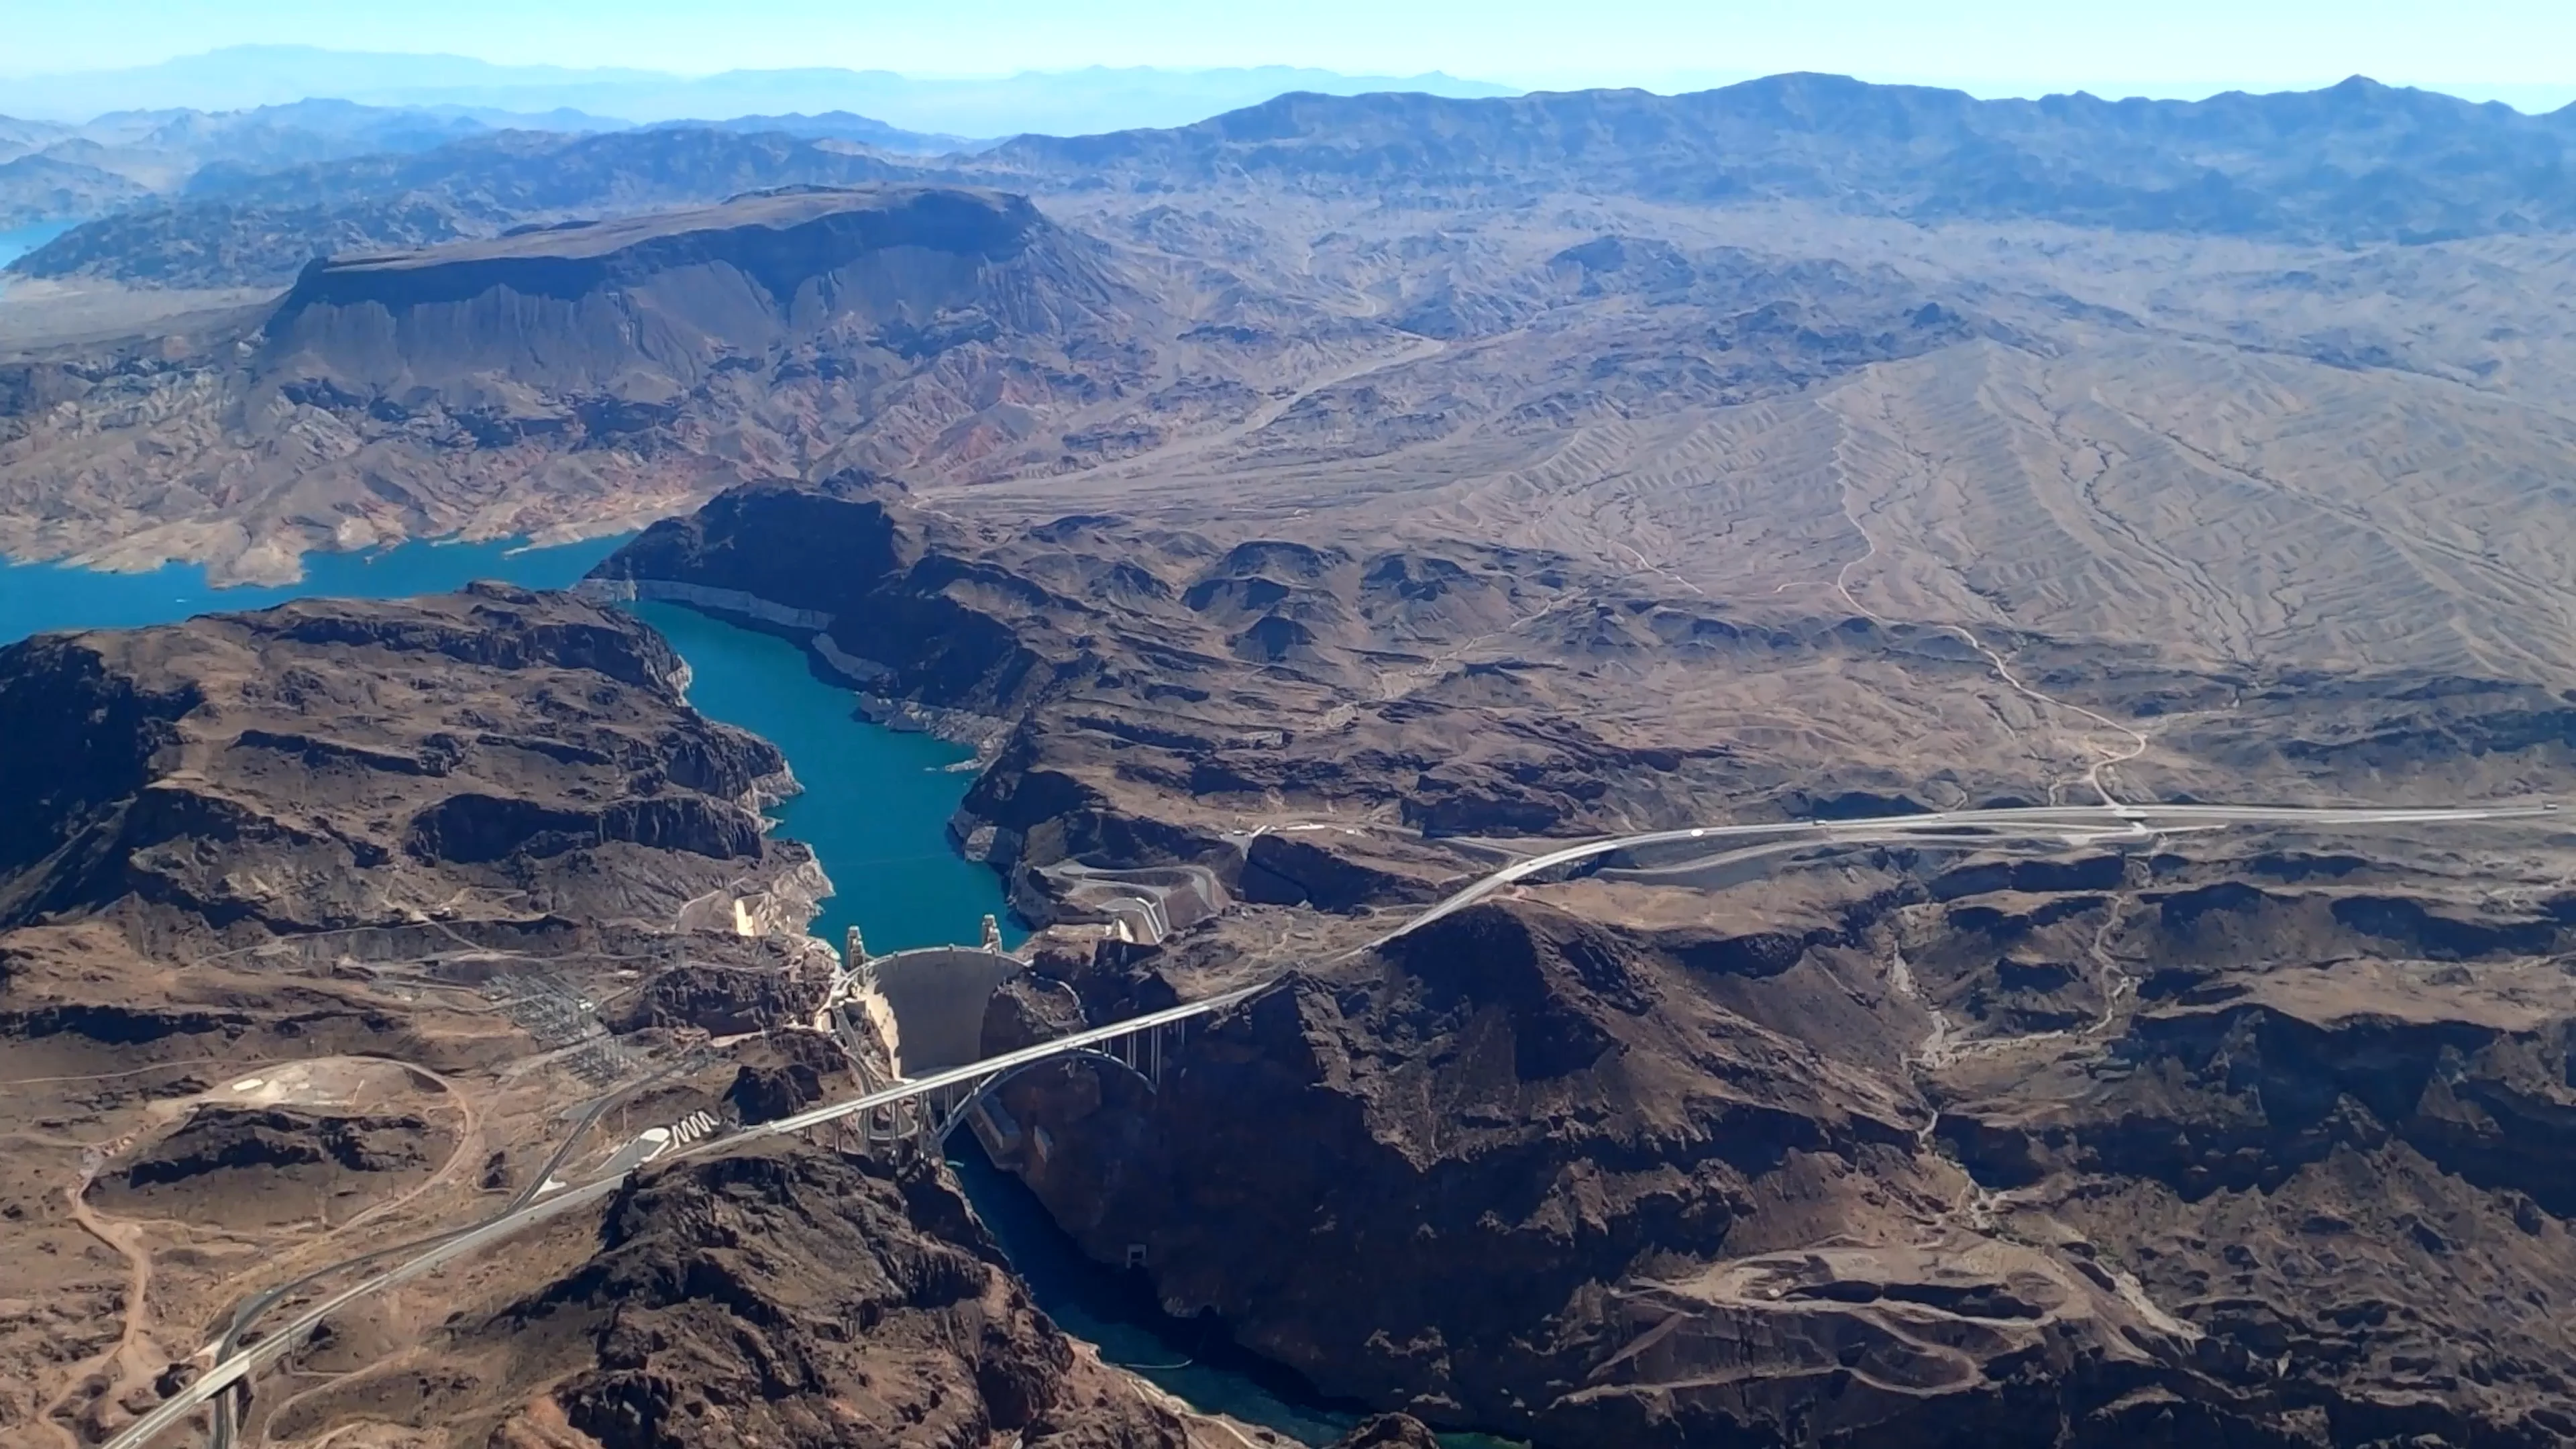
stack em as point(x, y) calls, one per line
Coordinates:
point(647, 307)
point(580, 375)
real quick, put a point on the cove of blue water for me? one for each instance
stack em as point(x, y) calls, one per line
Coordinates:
point(876, 801)
point(16, 244)
point(875, 809)
point(38, 597)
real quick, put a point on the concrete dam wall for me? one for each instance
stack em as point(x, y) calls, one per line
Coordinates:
point(935, 998)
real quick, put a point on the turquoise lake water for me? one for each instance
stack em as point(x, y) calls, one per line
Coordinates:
point(876, 801)
point(875, 808)
point(16, 244)
point(38, 597)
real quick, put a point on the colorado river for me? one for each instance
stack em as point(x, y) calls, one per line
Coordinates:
point(875, 809)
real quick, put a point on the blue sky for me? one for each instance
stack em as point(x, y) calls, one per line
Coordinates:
point(2476, 47)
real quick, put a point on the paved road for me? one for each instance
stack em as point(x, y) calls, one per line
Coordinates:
point(288, 1335)
point(1968, 827)
point(249, 1310)
point(2080, 823)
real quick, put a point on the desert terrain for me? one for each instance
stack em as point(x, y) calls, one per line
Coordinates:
point(1308, 515)
point(343, 928)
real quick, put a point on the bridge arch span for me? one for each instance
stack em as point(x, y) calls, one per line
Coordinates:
point(993, 1085)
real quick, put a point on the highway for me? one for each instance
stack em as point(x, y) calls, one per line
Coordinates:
point(250, 1308)
point(1958, 829)
point(2073, 824)
point(259, 1355)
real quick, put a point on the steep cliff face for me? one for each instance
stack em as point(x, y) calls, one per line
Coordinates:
point(782, 1296)
point(577, 375)
point(884, 592)
point(1441, 1179)
point(496, 743)
point(84, 736)
point(821, 550)
point(642, 309)
point(2090, 1151)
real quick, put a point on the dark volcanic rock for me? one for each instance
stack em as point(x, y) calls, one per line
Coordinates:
point(826, 549)
point(1616, 1188)
point(2351, 1176)
point(1472, 1136)
point(785, 1072)
point(255, 1165)
point(223, 1138)
point(259, 766)
point(1390, 1431)
point(643, 308)
point(788, 1297)
point(1662, 1189)
point(1286, 870)
point(765, 1094)
point(721, 1000)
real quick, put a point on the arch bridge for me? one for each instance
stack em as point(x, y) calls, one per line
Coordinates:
point(923, 1110)
point(931, 1002)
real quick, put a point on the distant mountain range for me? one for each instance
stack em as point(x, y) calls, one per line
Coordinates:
point(80, 146)
point(841, 126)
point(53, 170)
point(2354, 161)
point(1055, 103)
point(190, 199)
point(230, 230)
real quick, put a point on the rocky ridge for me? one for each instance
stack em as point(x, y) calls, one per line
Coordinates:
point(327, 765)
point(783, 1295)
point(329, 929)
point(1606, 1186)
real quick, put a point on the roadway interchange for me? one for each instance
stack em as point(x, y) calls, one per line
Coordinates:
point(2068, 825)
point(250, 1309)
